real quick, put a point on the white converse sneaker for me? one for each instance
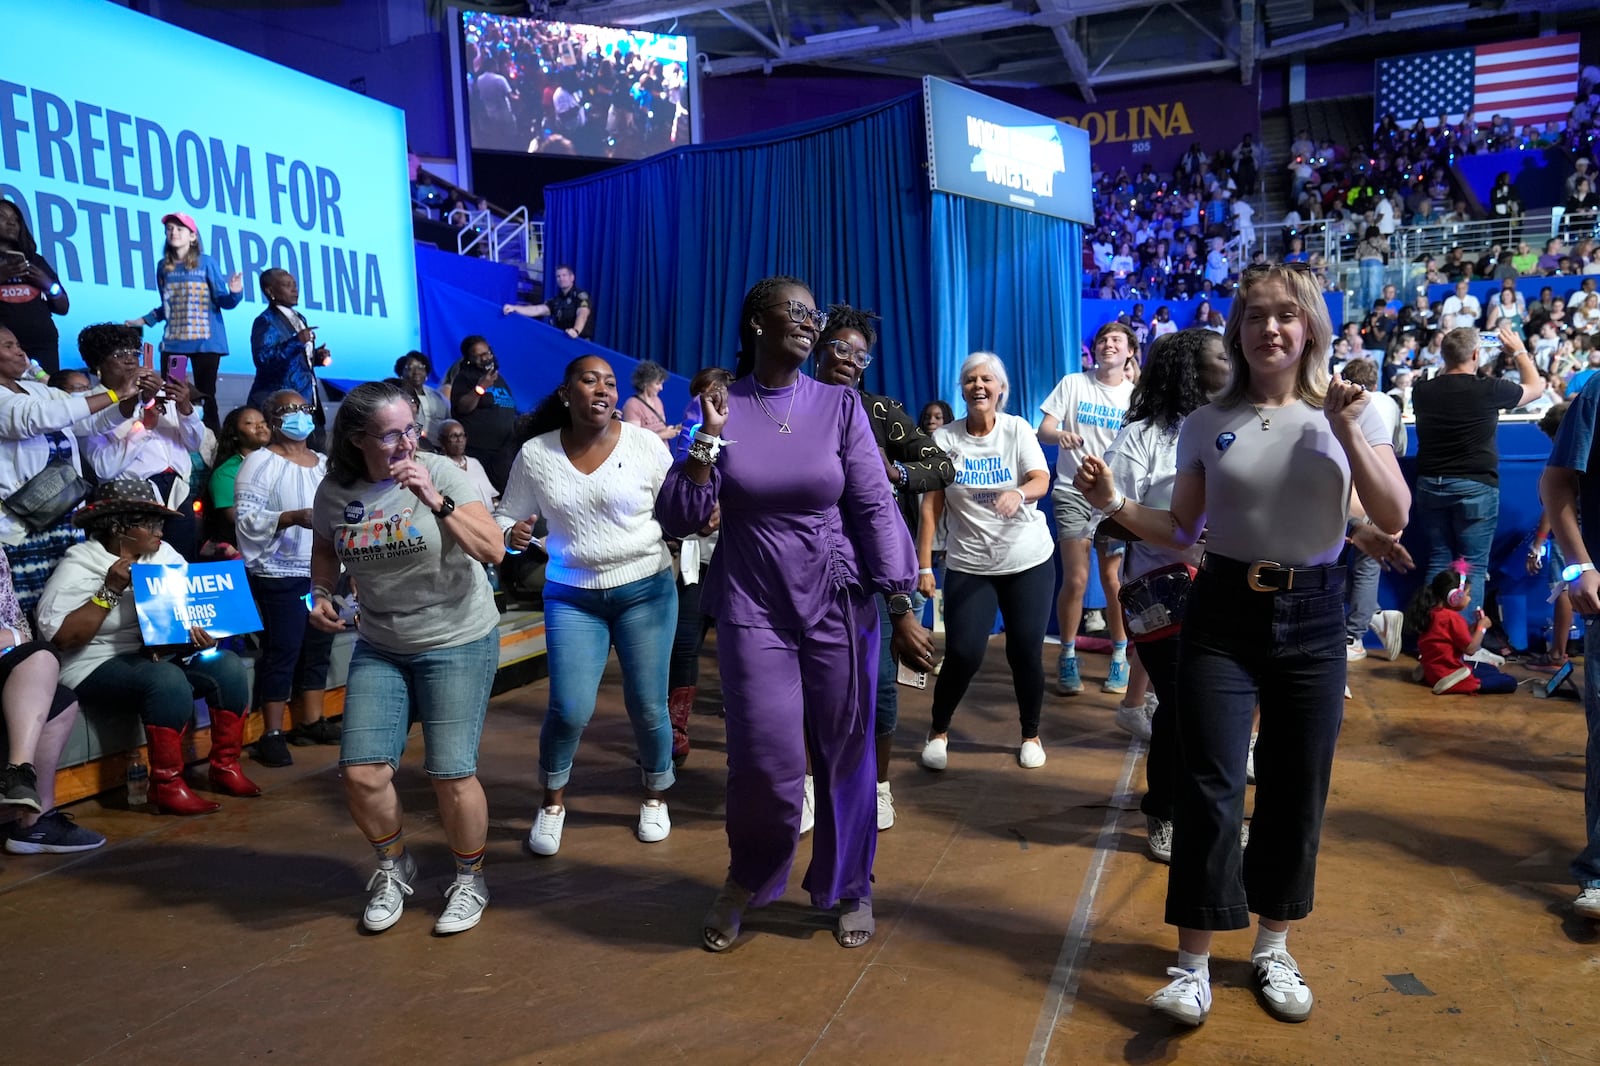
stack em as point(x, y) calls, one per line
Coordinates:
point(1158, 838)
point(1587, 905)
point(885, 807)
point(654, 825)
point(1282, 990)
point(936, 753)
point(808, 806)
point(1031, 754)
point(1250, 760)
point(390, 885)
point(1187, 999)
point(545, 836)
point(463, 907)
point(1135, 721)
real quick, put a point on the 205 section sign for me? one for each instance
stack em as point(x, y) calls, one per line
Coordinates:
point(170, 600)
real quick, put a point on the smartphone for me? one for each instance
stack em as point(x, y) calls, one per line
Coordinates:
point(914, 678)
point(1556, 680)
point(147, 355)
point(179, 370)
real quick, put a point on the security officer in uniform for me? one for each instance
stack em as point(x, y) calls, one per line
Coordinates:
point(569, 310)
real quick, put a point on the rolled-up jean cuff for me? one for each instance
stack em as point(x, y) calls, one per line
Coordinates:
point(556, 780)
point(659, 782)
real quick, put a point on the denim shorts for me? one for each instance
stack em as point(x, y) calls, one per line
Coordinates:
point(446, 689)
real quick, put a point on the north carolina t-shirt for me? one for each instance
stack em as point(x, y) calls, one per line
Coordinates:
point(1091, 410)
point(419, 590)
point(978, 541)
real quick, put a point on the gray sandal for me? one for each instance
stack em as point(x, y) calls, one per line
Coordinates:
point(856, 924)
point(722, 921)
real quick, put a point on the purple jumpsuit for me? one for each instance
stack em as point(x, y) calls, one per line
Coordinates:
point(810, 533)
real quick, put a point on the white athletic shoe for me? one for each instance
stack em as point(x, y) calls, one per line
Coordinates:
point(808, 806)
point(885, 807)
point(936, 753)
point(654, 825)
point(1187, 999)
point(1031, 754)
point(1135, 721)
point(545, 836)
point(1390, 626)
point(1283, 992)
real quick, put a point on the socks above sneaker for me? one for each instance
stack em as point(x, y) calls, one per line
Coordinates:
point(1198, 964)
point(469, 864)
point(1069, 649)
point(1267, 941)
point(389, 848)
point(1119, 651)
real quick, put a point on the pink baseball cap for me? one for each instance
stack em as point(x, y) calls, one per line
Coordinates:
point(186, 221)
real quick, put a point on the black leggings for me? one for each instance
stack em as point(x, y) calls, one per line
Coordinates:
point(970, 600)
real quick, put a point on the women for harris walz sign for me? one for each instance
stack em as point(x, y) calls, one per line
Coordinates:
point(171, 599)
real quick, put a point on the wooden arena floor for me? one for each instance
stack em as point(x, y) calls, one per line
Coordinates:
point(1019, 920)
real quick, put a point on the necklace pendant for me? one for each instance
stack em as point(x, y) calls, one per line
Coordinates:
point(1266, 424)
point(783, 427)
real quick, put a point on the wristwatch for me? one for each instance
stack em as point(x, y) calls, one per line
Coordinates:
point(899, 604)
point(445, 508)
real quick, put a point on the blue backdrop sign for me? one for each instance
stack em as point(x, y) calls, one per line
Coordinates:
point(170, 599)
point(991, 150)
point(279, 169)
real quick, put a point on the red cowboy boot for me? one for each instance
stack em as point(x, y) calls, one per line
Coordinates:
point(680, 704)
point(227, 740)
point(167, 789)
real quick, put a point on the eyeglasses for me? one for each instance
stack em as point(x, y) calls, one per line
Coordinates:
point(393, 437)
point(799, 313)
point(859, 356)
point(124, 355)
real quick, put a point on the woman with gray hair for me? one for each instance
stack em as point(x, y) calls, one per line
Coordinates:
point(643, 408)
point(453, 446)
point(998, 554)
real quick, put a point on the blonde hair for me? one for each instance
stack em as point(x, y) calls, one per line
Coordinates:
point(993, 362)
point(1311, 372)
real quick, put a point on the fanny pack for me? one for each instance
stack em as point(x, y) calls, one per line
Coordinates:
point(48, 496)
point(1153, 602)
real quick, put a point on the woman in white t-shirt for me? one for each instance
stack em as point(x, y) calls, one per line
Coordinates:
point(594, 479)
point(1266, 471)
point(1181, 371)
point(998, 554)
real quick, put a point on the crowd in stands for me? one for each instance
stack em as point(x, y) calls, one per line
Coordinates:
point(570, 90)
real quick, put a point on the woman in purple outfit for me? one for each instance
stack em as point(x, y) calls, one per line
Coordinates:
point(810, 534)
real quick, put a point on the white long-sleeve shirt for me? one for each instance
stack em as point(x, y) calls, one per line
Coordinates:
point(268, 485)
point(125, 451)
point(25, 418)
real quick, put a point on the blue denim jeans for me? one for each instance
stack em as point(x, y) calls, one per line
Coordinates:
point(1586, 867)
point(581, 627)
point(1458, 517)
point(1364, 574)
point(163, 693)
point(446, 689)
point(1238, 648)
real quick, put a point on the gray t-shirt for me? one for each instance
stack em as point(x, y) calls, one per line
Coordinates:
point(1281, 494)
point(418, 589)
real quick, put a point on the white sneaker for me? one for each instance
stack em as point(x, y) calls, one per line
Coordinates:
point(1158, 838)
point(808, 806)
point(545, 836)
point(1588, 903)
point(1282, 990)
point(654, 824)
point(1355, 650)
point(1451, 680)
point(1250, 759)
point(936, 753)
point(1135, 721)
point(390, 885)
point(1484, 655)
point(1390, 627)
point(1187, 999)
point(885, 807)
point(1031, 754)
point(1244, 835)
point(463, 908)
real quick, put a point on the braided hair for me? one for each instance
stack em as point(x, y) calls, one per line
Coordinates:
point(1169, 389)
point(842, 317)
point(759, 296)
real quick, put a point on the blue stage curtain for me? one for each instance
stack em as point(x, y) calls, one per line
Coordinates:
point(1005, 281)
point(677, 239)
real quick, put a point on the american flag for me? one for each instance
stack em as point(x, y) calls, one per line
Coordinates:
point(1530, 81)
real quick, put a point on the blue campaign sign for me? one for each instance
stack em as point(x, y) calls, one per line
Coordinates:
point(171, 598)
point(278, 169)
point(991, 150)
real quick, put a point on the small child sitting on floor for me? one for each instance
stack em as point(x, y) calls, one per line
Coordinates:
point(1443, 638)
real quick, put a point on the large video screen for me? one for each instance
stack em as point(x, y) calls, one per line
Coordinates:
point(568, 89)
point(315, 185)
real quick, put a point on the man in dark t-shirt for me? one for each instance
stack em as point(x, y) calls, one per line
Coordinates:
point(571, 309)
point(1458, 464)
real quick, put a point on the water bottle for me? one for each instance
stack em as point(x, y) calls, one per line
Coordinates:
point(35, 372)
point(138, 783)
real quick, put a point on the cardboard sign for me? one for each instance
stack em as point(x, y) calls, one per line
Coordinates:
point(170, 599)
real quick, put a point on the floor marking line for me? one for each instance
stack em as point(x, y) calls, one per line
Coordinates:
point(1058, 1001)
